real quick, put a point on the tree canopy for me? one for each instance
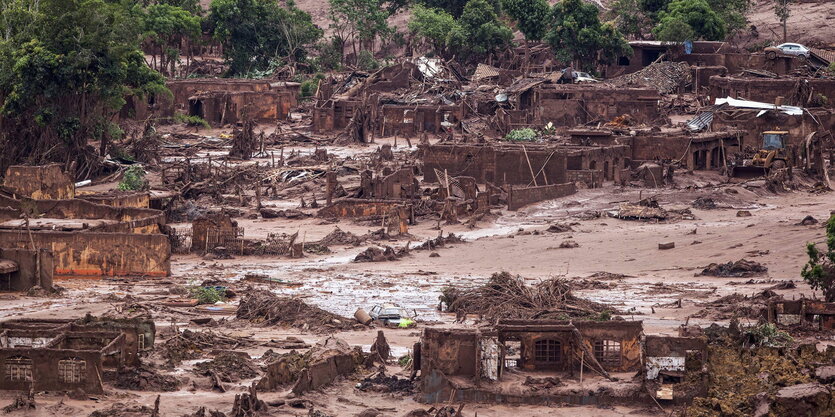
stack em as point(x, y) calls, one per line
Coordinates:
point(531, 16)
point(256, 34)
point(690, 19)
point(165, 26)
point(476, 34)
point(578, 36)
point(65, 69)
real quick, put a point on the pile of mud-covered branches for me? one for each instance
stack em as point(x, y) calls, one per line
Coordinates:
point(508, 297)
point(267, 308)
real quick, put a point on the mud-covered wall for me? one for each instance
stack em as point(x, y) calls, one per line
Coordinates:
point(46, 182)
point(96, 254)
point(496, 165)
point(128, 199)
point(628, 333)
point(136, 220)
point(452, 352)
point(44, 369)
point(358, 208)
point(27, 275)
point(768, 89)
point(520, 197)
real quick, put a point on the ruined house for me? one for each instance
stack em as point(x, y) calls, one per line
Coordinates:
point(667, 363)
point(63, 355)
point(815, 314)
point(534, 102)
point(220, 101)
point(22, 269)
point(88, 239)
point(378, 99)
point(486, 365)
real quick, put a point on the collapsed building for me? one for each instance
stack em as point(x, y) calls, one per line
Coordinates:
point(547, 361)
point(219, 101)
point(66, 355)
point(373, 105)
point(74, 237)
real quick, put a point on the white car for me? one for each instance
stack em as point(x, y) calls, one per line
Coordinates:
point(584, 77)
point(791, 49)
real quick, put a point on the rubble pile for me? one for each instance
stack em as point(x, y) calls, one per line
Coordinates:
point(665, 76)
point(192, 345)
point(228, 367)
point(440, 242)
point(738, 306)
point(508, 297)
point(763, 381)
point(384, 254)
point(268, 309)
point(379, 382)
point(145, 378)
point(741, 268)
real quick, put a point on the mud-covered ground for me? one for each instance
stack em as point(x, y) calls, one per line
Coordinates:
point(618, 263)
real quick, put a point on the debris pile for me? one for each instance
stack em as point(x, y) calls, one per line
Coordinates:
point(379, 382)
point(192, 345)
point(144, 378)
point(266, 308)
point(741, 268)
point(665, 76)
point(228, 367)
point(739, 306)
point(440, 242)
point(508, 297)
point(384, 254)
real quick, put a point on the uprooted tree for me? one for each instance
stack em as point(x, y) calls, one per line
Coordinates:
point(66, 67)
point(819, 272)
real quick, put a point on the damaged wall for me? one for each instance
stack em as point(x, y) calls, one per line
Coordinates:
point(27, 275)
point(353, 207)
point(95, 254)
point(44, 182)
point(520, 197)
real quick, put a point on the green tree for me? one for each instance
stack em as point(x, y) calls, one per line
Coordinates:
point(697, 14)
point(455, 7)
point(361, 22)
point(783, 12)
point(166, 27)
point(531, 16)
point(485, 32)
point(651, 8)
point(437, 29)
point(579, 37)
point(65, 69)
point(819, 272)
point(257, 34)
point(628, 18)
point(732, 13)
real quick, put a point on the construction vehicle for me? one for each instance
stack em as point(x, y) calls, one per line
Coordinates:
point(773, 155)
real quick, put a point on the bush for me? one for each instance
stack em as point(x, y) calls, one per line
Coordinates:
point(207, 295)
point(768, 335)
point(133, 179)
point(367, 62)
point(194, 121)
point(522, 135)
point(308, 87)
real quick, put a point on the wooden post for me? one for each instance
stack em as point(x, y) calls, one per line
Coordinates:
point(525, 150)
point(582, 364)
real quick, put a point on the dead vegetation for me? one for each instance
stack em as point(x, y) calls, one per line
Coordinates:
point(192, 345)
point(508, 297)
point(145, 378)
point(265, 308)
point(228, 367)
point(739, 269)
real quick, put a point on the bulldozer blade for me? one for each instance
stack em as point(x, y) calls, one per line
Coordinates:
point(748, 172)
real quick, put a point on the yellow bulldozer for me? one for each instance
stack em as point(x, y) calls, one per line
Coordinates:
point(774, 154)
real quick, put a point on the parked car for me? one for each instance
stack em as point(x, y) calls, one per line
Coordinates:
point(584, 77)
point(391, 315)
point(786, 49)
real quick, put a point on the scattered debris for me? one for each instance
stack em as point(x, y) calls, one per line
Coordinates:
point(262, 307)
point(740, 268)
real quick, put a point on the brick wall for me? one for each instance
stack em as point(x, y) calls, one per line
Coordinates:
point(520, 197)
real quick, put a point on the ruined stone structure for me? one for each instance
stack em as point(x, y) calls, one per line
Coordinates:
point(470, 365)
point(527, 165)
point(88, 239)
point(220, 101)
point(805, 92)
point(22, 269)
point(42, 182)
point(62, 355)
point(815, 314)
